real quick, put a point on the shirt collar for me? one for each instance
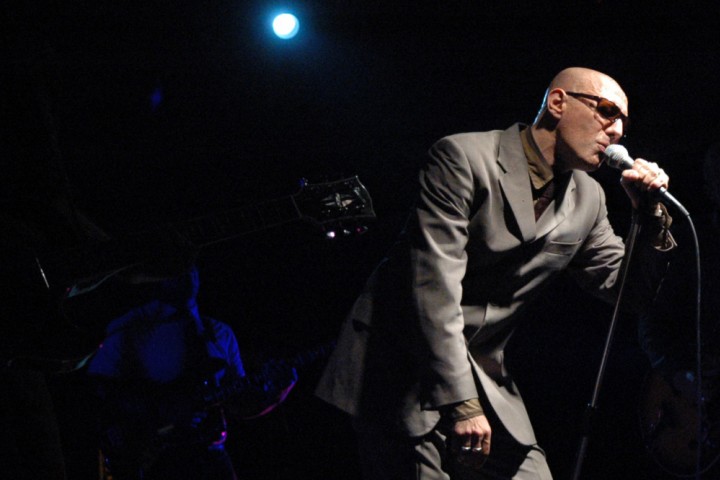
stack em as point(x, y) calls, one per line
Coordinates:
point(541, 173)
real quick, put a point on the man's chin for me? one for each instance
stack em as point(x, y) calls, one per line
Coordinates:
point(595, 162)
point(590, 165)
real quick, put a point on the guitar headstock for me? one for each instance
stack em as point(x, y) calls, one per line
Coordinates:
point(341, 207)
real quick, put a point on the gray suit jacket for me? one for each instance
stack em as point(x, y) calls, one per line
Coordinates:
point(431, 325)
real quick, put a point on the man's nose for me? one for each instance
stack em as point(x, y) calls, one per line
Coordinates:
point(615, 130)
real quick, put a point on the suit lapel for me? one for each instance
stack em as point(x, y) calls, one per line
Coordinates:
point(515, 181)
point(556, 213)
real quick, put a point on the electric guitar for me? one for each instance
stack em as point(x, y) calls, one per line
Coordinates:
point(681, 436)
point(56, 338)
point(139, 424)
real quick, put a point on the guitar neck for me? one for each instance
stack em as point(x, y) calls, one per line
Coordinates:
point(215, 228)
point(210, 229)
point(329, 205)
point(241, 385)
point(96, 260)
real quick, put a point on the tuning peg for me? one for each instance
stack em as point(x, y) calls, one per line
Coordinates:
point(346, 232)
point(333, 234)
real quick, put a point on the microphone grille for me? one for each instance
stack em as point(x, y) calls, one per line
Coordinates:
point(617, 156)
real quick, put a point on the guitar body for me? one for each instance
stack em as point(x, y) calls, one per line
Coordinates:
point(136, 433)
point(140, 422)
point(677, 434)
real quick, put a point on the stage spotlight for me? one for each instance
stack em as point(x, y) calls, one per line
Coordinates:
point(286, 26)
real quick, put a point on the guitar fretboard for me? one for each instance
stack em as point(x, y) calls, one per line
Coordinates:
point(209, 229)
point(240, 385)
point(327, 205)
point(100, 258)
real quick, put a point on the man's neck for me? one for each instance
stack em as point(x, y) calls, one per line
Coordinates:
point(545, 141)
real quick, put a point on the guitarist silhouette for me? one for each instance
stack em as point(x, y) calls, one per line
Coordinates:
point(151, 372)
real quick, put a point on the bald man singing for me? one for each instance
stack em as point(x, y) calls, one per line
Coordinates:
point(499, 214)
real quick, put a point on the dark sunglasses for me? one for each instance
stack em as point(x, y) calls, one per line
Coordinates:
point(607, 109)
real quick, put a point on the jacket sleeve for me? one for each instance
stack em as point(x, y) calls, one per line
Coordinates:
point(438, 233)
point(597, 267)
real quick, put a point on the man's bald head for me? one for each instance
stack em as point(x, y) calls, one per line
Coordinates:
point(580, 79)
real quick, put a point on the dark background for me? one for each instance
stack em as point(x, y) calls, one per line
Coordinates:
point(160, 111)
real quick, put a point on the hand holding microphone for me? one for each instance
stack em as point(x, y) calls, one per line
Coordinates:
point(644, 175)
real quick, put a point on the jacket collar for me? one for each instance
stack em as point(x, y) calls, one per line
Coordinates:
point(515, 181)
point(516, 188)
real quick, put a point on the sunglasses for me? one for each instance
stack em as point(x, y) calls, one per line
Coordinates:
point(607, 109)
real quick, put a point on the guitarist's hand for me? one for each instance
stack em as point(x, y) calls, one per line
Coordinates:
point(278, 379)
point(281, 380)
point(683, 381)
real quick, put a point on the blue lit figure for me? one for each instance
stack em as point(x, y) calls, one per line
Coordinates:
point(156, 98)
point(286, 26)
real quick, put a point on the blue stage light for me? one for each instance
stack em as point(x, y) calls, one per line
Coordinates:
point(286, 26)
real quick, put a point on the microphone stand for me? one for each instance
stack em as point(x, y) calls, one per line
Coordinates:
point(591, 409)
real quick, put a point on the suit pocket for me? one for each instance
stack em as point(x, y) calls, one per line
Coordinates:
point(562, 247)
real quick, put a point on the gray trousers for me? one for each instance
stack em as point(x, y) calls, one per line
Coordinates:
point(390, 456)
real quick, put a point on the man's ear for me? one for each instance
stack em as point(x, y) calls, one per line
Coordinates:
point(556, 102)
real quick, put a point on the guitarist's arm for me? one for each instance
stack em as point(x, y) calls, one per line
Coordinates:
point(281, 379)
point(264, 392)
point(258, 394)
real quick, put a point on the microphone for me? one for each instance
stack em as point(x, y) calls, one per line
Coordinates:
point(617, 156)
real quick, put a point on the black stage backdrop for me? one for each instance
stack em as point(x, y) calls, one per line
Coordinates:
point(160, 111)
